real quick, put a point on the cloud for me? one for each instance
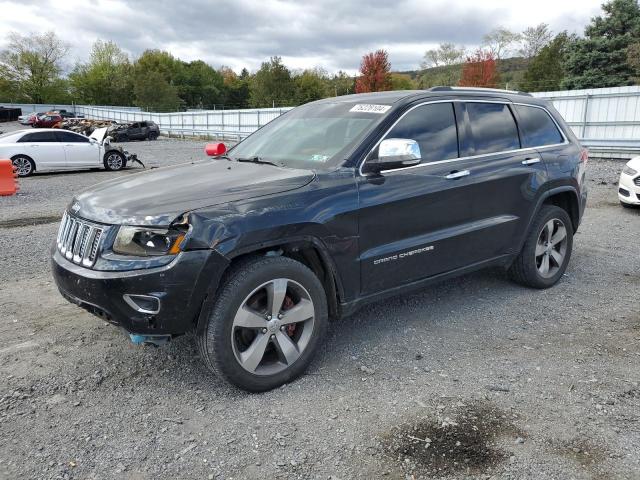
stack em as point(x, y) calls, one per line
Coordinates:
point(333, 34)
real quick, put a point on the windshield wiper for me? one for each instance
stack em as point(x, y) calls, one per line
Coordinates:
point(256, 160)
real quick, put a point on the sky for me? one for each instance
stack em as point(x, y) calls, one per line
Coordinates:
point(332, 34)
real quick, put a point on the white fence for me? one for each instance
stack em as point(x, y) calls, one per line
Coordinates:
point(607, 120)
point(47, 107)
point(235, 124)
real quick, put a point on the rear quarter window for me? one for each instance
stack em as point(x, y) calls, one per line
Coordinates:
point(537, 127)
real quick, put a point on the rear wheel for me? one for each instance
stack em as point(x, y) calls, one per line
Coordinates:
point(24, 165)
point(114, 161)
point(266, 325)
point(546, 251)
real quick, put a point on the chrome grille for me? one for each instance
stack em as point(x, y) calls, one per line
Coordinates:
point(637, 181)
point(78, 240)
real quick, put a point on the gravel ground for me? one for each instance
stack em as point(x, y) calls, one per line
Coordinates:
point(472, 378)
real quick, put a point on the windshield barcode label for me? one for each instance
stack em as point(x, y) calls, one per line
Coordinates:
point(369, 108)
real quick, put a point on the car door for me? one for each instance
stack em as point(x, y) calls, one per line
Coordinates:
point(45, 150)
point(459, 208)
point(134, 131)
point(79, 150)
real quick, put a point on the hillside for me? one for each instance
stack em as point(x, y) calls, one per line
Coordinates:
point(511, 72)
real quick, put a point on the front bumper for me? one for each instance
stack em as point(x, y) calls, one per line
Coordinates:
point(180, 286)
point(627, 185)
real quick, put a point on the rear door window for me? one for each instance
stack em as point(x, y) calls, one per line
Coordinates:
point(68, 137)
point(537, 127)
point(39, 137)
point(433, 126)
point(493, 128)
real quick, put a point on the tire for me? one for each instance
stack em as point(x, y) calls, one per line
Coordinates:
point(629, 205)
point(114, 161)
point(153, 136)
point(528, 268)
point(223, 344)
point(25, 166)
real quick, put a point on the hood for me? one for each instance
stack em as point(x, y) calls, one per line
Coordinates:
point(159, 196)
point(99, 134)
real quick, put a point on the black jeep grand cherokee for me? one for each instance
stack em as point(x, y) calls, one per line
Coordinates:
point(334, 204)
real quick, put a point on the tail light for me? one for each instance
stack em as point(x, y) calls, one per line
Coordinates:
point(584, 156)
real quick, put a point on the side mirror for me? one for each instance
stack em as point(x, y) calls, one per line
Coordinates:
point(394, 153)
point(215, 149)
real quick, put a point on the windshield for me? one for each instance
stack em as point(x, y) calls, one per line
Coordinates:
point(311, 136)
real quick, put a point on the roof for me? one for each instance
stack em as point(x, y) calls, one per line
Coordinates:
point(395, 96)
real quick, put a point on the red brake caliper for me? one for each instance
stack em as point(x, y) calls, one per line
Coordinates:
point(286, 305)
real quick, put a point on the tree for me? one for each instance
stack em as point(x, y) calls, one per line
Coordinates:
point(480, 70)
point(272, 85)
point(633, 57)
point(546, 70)
point(154, 93)
point(445, 54)
point(499, 41)
point(236, 88)
point(601, 58)
point(535, 39)
point(375, 73)
point(311, 85)
point(199, 85)
point(342, 84)
point(32, 64)
point(106, 79)
point(402, 81)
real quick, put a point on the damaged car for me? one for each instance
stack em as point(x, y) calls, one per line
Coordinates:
point(330, 206)
point(126, 132)
point(49, 149)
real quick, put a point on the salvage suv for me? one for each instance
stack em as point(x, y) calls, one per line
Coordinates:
point(334, 204)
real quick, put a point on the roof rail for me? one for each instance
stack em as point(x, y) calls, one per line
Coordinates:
point(477, 89)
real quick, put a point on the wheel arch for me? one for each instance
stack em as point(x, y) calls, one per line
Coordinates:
point(35, 165)
point(309, 251)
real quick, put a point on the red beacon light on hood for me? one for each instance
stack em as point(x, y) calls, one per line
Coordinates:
point(215, 149)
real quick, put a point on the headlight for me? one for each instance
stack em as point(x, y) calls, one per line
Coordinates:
point(627, 170)
point(144, 242)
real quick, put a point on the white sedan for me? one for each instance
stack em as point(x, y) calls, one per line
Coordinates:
point(50, 149)
point(629, 187)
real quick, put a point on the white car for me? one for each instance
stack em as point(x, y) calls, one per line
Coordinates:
point(50, 149)
point(629, 187)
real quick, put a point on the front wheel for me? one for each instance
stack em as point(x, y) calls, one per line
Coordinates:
point(114, 161)
point(546, 251)
point(267, 323)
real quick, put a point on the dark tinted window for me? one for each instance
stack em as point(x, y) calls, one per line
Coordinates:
point(433, 127)
point(39, 137)
point(69, 137)
point(537, 127)
point(492, 127)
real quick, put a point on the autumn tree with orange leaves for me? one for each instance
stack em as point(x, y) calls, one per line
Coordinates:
point(375, 73)
point(480, 71)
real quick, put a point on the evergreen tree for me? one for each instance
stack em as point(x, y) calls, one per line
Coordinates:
point(546, 70)
point(600, 59)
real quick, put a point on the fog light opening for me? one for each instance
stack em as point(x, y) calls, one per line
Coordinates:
point(143, 303)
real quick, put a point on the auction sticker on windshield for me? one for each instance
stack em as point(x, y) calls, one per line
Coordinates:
point(369, 108)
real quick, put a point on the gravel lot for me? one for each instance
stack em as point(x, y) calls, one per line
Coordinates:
point(472, 378)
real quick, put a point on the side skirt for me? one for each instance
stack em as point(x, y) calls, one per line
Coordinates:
point(349, 308)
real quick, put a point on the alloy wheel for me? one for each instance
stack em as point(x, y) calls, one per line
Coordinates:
point(272, 327)
point(551, 248)
point(114, 161)
point(23, 166)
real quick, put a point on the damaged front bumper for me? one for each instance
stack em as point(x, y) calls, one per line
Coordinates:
point(164, 300)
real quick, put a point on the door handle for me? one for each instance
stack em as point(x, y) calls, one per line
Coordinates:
point(531, 161)
point(460, 174)
point(68, 144)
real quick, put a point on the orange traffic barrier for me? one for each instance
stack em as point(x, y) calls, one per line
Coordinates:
point(8, 178)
